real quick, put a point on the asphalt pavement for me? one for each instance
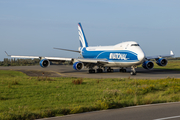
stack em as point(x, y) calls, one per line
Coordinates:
point(68, 71)
point(164, 111)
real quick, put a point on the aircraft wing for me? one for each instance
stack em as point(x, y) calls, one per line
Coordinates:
point(83, 60)
point(41, 57)
point(160, 56)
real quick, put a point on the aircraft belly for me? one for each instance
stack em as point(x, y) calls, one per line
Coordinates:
point(119, 58)
point(121, 64)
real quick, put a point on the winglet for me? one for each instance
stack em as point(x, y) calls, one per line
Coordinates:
point(171, 53)
point(6, 53)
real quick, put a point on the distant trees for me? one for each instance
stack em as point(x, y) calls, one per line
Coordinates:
point(19, 62)
point(28, 62)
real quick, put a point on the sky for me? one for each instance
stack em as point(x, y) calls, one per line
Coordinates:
point(34, 27)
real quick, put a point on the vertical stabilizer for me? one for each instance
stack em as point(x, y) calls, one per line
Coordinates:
point(82, 38)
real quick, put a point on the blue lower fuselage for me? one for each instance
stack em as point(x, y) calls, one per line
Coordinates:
point(112, 55)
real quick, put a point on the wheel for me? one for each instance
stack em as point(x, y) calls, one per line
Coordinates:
point(92, 71)
point(124, 70)
point(133, 73)
point(99, 70)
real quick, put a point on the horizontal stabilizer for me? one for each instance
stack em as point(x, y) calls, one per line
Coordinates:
point(6, 53)
point(67, 50)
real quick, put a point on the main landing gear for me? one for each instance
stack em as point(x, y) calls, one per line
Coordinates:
point(122, 70)
point(91, 70)
point(99, 70)
point(110, 70)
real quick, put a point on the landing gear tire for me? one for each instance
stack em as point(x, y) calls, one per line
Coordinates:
point(133, 73)
point(122, 70)
point(99, 70)
point(91, 71)
point(110, 70)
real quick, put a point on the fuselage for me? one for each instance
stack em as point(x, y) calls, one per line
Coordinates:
point(124, 54)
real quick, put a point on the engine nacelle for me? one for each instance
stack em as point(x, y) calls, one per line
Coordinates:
point(148, 65)
point(44, 63)
point(162, 62)
point(78, 65)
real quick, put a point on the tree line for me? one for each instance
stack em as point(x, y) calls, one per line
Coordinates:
point(19, 62)
point(28, 62)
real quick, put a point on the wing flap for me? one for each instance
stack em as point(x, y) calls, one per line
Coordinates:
point(24, 56)
point(58, 59)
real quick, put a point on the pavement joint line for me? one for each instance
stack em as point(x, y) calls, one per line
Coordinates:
point(139, 106)
point(58, 73)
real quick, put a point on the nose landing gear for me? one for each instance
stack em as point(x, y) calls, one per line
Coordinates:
point(133, 71)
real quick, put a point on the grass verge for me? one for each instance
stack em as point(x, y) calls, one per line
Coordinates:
point(24, 97)
point(171, 65)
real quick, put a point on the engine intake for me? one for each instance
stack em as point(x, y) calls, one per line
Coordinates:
point(162, 62)
point(44, 63)
point(148, 65)
point(78, 65)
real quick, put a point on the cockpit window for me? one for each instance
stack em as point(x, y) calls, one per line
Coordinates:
point(134, 44)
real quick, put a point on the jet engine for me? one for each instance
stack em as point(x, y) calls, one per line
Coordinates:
point(78, 65)
point(44, 63)
point(162, 62)
point(148, 65)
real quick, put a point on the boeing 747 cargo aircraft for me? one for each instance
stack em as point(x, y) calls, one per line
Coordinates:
point(122, 55)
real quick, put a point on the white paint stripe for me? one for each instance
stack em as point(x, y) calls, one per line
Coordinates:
point(168, 118)
point(99, 54)
point(58, 73)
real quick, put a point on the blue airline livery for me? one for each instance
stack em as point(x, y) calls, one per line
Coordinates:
point(104, 58)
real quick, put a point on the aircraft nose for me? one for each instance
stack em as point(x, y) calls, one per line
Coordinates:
point(141, 56)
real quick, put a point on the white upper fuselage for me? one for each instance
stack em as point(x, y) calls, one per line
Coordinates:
point(124, 54)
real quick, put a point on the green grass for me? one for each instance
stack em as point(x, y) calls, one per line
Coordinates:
point(24, 97)
point(172, 65)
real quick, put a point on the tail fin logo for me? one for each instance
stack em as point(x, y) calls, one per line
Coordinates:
point(82, 37)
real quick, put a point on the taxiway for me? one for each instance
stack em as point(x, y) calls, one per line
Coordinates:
point(68, 71)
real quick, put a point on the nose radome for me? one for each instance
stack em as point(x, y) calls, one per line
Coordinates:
point(141, 56)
